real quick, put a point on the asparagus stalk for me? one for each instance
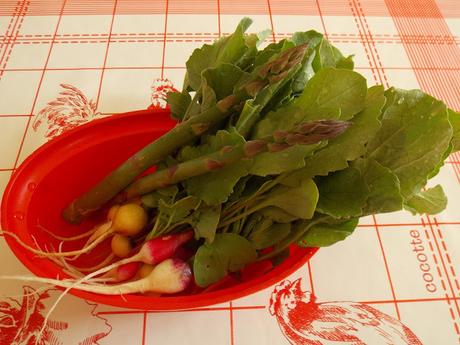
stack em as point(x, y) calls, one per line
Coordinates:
point(306, 133)
point(260, 79)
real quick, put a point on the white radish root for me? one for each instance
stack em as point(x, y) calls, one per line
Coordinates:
point(67, 238)
point(104, 263)
point(169, 276)
point(51, 254)
point(100, 230)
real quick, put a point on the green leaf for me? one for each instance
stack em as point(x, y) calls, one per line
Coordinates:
point(239, 189)
point(414, 136)
point(263, 56)
point(343, 194)
point(446, 154)
point(236, 249)
point(252, 222)
point(312, 39)
point(216, 84)
point(329, 56)
point(252, 41)
point(275, 91)
point(351, 144)
point(299, 201)
point(326, 234)
point(431, 201)
point(270, 235)
point(206, 221)
point(256, 184)
point(262, 225)
point(178, 103)
point(222, 79)
point(173, 213)
point(249, 115)
point(277, 214)
point(304, 75)
point(216, 186)
point(330, 94)
point(384, 189)
point(226, 50)
point(166, 194)
point(209, 265)
point(284, 95)
point(228, 253)
point(286, 118)
point(332, 88)
point(454, 119)
point(298, 230)
point(273, 163)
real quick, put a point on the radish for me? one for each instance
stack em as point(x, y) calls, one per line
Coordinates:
point(121, 246)
point(145, 270)
point(128, 219)
point(168, 277)
point(124, 272)
point(152, 252)
point(161, 248)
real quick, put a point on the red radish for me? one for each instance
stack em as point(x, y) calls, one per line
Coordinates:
point(152, 252)
point(123, 272)
point(168, 277)
point(184, 253)
point(161, 248)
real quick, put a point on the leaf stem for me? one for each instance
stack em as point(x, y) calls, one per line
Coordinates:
point(241, 215)
point(297, 236)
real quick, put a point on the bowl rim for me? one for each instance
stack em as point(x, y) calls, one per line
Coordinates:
point(301, 255)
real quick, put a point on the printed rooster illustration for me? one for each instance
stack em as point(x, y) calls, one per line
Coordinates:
point(305, 322)
point(21, 322)
point(69, 110)
point(160, 88)
point(72, 108)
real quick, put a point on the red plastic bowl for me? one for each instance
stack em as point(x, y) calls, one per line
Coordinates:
point(67, 166)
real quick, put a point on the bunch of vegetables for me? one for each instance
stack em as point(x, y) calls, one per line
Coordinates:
point(275, 146)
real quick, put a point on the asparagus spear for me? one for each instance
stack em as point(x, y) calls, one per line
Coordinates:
point(306, 133)
point(261, 78)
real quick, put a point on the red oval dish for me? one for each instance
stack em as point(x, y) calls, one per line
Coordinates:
point(67, 166)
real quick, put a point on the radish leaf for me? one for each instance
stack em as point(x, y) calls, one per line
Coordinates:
point(228, 253)
point(343, 194)
point(431, 201)
point(327, 233)
point(414, 136)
